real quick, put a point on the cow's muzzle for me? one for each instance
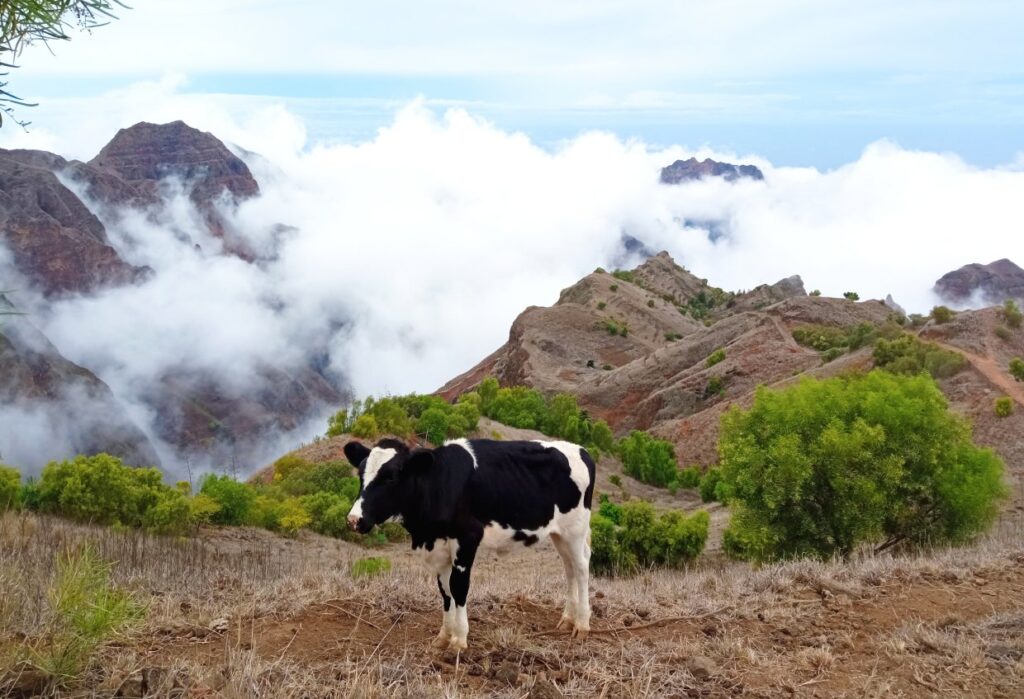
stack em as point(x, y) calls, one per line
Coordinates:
point(359, 524)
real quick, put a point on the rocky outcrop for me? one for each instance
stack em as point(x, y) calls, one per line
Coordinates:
point(51, 408)
point(987, 284)
point(55, 242)
point(693, 169)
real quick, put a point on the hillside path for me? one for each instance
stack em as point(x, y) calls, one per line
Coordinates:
point(990, 369)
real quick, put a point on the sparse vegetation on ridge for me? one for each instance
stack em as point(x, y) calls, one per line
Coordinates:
point(910, 355)
point(1012, 313)
point(1004, 406)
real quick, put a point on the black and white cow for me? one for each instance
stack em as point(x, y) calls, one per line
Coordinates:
point(480, 492)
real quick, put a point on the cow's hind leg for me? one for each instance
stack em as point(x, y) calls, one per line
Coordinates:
point(579, 546)
point(565, 553)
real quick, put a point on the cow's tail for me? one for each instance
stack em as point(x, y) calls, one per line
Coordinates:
point(588, 495)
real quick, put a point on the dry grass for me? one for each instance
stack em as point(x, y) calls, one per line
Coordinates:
point(243, 613)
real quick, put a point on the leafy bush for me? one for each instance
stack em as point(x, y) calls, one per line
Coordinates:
point(609, 509)
point(370, 567)
point(824, 466)
point(832, 354)
point(624, 275)
point(1012, 313)
point(688, 477)
point(644, 538)
point(827, 337)
point(10, 488)
point(1003, 333)
point(709, 485)
point(1004, 406)
point(650, 303)
point(648, 459)
point(942, 314)
point(851, 295)
point(614, 287)
point(99, 489)
point(672, 337)
point(1017, 368)
point(601, 305)
point(235, 500)
point(613, 327)
point(715, 357)
point(816, 292)
point(607, 367)
point(615, 480)
point(909, 355)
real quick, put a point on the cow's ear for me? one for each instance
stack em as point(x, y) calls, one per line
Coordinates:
point(356, 453)
point(419, 461)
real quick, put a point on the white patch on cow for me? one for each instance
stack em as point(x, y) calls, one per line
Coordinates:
point(377, 458)
point(464, 443)
point(461, 630)
point(578, 470)
point(439, 560)
point(461, 569)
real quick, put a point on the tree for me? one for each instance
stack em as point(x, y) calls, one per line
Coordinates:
point(26, 22)
point(851, 295)
point(942, 314)
point(648, 459)
point(825, 466)
point(1012, 313)
point(10, 486)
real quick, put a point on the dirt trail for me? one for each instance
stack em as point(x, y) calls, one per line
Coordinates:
point(990, 369)
point(787, 335)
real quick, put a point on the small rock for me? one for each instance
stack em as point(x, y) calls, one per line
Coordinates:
point(544, 688)
point(643, 613)
point(701, 667)
point(508, 673)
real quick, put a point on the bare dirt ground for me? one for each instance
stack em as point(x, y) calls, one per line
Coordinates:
point(244, 613)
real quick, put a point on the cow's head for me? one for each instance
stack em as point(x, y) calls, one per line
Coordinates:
point(385, 480)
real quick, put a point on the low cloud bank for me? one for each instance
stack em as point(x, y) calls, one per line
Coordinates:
point(410, 254)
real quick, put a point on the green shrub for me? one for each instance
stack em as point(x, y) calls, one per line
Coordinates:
point(99, 489)
point(615, 480)
point(601, 305)
point(851, 295)
point(624, 275)
point(648, 459)
point(672, 337)
point(365, 427)
point(715, 387)
point(171, 514)
point(614, 287)
point(235, 500)
point(613, 327)
point(709, 485)
point(10, 488)
point(1017, 368)
point(832, 354)
point(1012, 313)
point(433, 425)
point(827, 337)
point(1004, 406)
point(650, 303)
point(688, 477)
point(370, 567)
point(1003, 333)
point(942, 314)
point(825, 466)
point(610, 510)
point(607, 367)
point(816, 292)
point(909, 355)
point(643, 538)
point(715, 357)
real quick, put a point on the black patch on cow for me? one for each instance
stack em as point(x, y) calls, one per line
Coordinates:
point(588, 497)
point(527, 539)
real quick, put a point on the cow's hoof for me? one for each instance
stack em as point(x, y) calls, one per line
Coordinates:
point(456, 644)
point(580, 632)
point(565, 622)
point(441, 640)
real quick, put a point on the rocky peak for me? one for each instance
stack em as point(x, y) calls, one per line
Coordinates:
point(663, 276)
point(56, 243)
point(991, 283)
point(693, 169)
point(145, 153)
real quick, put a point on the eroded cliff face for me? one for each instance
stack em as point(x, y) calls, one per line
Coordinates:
point(60, 248)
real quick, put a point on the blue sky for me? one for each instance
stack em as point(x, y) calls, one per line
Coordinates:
point(798, 82)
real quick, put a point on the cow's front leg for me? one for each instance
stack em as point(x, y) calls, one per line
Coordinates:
point(459, 584)
point(444, 636)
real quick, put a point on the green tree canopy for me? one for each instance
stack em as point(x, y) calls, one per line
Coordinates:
point(824, 466)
